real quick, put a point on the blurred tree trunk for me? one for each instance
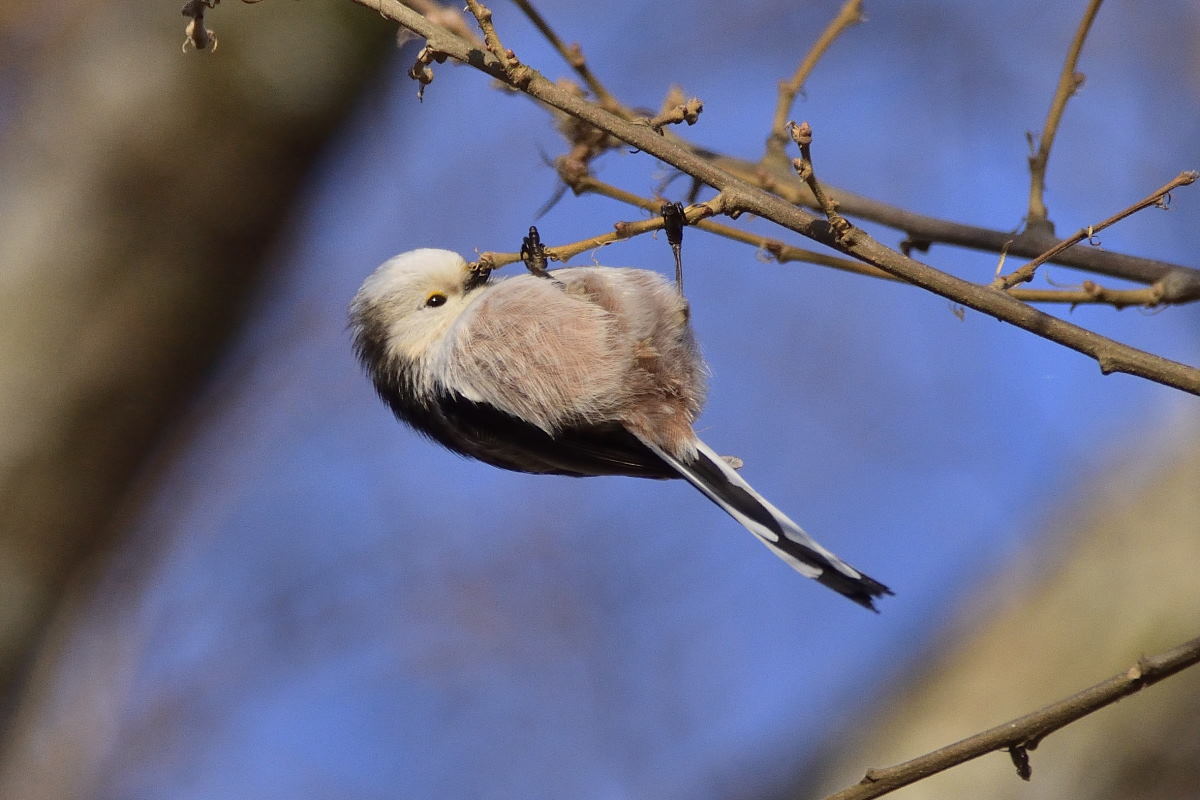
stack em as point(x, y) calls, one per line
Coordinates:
point(141, 191)
point(1114, 580)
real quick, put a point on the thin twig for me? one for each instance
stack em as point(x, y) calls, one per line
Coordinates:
point(1068, 82)
point(688, 111)
point(1112, 356)
point(929, 230)
point(565, 252)
point(483, 15)
point(802, 135)
point(778, 250)
point(1024, 733)
point(918, 227)
point(849, 15)
point(1088, 293)
point(1024, 273)
point(573, 55)
point(1094, 294)
point(692, 215)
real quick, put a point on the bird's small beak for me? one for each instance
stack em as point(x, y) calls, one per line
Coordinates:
point(478, 273)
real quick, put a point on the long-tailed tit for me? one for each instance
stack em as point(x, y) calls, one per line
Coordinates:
point(594, 372)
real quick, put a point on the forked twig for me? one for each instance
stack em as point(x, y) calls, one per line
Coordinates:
point(1026, 271)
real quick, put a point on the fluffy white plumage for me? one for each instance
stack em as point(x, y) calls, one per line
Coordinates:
point(590, 371)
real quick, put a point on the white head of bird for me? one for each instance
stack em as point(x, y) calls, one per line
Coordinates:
point(419, 294)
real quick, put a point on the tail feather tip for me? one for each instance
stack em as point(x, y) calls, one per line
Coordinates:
point(864, 591)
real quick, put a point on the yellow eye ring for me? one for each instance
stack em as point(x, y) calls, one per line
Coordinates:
point(435, 299)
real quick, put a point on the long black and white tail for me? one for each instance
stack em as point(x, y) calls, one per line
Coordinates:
point(710, 473)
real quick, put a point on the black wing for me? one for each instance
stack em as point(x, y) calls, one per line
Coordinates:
point(484, 432)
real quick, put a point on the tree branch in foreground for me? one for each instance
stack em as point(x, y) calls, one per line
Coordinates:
point(739, 196)
point(1023, 734)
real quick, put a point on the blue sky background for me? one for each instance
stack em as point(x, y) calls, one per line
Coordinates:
point(330, 606)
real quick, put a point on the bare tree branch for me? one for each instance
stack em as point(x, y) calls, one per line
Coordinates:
point(739, 196)
point(1024, 274)
point(776, 249)
point(1068, 82)
point(802, 135)
point(1023, 734)
point(1182, 282)
point(573, 55)
point(483, 15)
point(849, 15)
point(923, 230)
point(1092, 293)
point(1087, 293)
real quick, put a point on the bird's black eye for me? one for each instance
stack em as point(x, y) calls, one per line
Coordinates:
point(435, 299)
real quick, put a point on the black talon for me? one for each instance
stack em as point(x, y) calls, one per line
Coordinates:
point(673, 222)
point(533, 254)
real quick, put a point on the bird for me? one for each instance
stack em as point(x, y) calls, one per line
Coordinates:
point(579, 371)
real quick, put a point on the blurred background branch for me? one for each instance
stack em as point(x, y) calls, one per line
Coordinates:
point(139, 210)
